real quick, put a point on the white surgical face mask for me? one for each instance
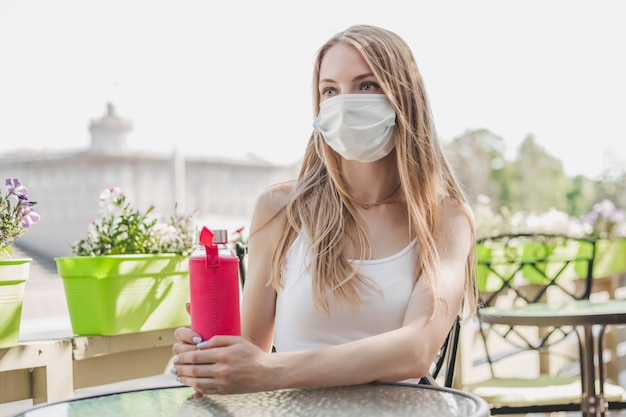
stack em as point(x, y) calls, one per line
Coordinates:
point(359, 127)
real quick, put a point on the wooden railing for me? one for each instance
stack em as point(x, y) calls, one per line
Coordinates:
point(51, 370)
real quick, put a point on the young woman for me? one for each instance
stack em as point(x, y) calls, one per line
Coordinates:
point(357, 269)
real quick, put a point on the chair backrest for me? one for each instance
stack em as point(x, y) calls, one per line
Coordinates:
point(241, 250)
point(517, 269)
point(530, 266)
point(446, 359)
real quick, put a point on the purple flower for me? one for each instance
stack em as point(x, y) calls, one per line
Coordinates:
point(16, 214)
point(29, 217)
point(17, 189)
point(605, 220)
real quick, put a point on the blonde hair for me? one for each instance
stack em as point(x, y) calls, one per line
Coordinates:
point(319, 206)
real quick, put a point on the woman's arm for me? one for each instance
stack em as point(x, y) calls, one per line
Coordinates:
point(259, 298)
point(228, 364)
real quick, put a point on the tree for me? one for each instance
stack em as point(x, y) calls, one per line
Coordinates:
point(539, 181)
point(477, 159)
point(534, 181)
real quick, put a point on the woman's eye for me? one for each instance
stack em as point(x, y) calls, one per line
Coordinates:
point(370, 86)
point(328, 92)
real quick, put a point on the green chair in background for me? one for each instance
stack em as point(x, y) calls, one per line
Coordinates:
point(533, 370)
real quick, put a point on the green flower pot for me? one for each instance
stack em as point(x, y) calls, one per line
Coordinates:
point(535, 260)
point(610, 257)
point(13, 276)
point(486, 280)
point(551, 259)
point(118, 294)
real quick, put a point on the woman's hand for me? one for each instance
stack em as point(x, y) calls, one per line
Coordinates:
point(221, 365)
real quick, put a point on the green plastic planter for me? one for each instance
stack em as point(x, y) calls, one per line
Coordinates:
point(13, 276)
point(610, 257)
point(118, 294)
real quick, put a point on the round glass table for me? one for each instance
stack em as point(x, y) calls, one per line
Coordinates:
point(359, 400)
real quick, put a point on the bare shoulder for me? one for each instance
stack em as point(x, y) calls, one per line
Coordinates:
point(275, 197)
point(271, 202)
point(454, 211)
point(455, 224)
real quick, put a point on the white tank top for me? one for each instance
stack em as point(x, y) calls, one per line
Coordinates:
point(299, 326)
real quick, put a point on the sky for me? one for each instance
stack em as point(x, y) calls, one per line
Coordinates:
point(231, 78)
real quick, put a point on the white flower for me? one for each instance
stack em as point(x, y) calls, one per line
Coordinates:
point(164, 233)
point(109, 202)
point(121, 229)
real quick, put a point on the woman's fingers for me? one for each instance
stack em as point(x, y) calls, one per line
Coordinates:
point(219, 341)
point(180, 348)
point(226, 364)
point(188, 340)
point(202, 385)
point(195, 353)
point(202, 377)
point(186, 335)
point(207, 379)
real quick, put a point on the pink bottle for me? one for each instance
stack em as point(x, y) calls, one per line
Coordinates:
point(214, 285)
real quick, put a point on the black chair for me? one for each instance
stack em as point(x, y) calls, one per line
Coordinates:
point(445, 360)
point(518, 269)
point(241, 250)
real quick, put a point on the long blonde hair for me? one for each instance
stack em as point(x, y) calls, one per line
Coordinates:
point(319, 206)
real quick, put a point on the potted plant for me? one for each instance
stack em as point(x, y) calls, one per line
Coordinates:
point(16, 216)
point(131, 272)
point(553, 222)
point(607, 224)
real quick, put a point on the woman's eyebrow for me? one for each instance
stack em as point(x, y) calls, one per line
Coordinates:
point(362, 76)
point(357, 78)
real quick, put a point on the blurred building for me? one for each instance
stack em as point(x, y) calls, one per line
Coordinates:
point(66, 185)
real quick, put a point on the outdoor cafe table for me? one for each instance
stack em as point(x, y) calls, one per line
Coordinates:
point(583, 314)
point(377, 400)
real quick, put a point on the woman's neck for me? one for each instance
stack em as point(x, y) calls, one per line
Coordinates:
point(372, 183)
